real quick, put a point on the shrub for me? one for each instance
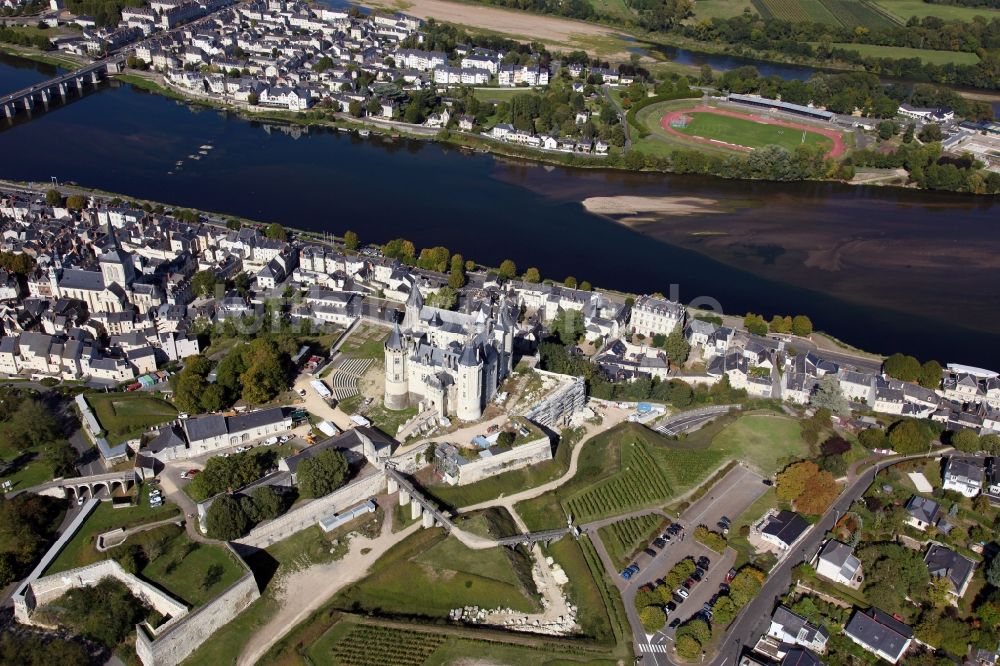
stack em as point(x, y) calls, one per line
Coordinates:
point(653, 618)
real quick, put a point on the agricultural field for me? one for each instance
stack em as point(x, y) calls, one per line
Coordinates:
point(904, 10)
point(902, 52)
point(127, 415)
point(429, 574)
point(624, 538)
point(366, 645)
point(841, 13)
point(706, 10)
point(748, 132)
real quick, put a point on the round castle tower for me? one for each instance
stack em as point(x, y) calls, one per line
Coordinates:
point(396, 384)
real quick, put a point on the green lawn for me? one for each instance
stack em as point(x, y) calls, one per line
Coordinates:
point(631, 467)
point(497, 95)
point(81, 549)
point(749, 133)
point(905, 9)
point(902, 52)
point(183, 569)
point(127, 415)
point(612, 8)
point(367, 341)
point(624, 538)
point(710, 9)
point(414, 579)
point(768, 442)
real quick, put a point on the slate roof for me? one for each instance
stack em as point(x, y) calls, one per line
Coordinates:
point(250, 420)
point(923, 509)
point(842, 556)
point(205, 427)
point(786, 526)
point(879, 631)
point(943, 562)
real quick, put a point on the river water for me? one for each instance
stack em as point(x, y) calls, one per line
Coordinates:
point(885, 270)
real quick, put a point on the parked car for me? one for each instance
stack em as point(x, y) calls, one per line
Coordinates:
point(660, 542)
point(730, 575)
point(723, 588)
point(650, 552)
point(682, 593)
point(676, 622)
point(678, 599)
point(768, 482)
point(703, 562)
point(697, 575)
point(80, 500)
point(671, 607)
point(689, 583)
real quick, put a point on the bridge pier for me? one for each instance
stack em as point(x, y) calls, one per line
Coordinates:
point(62, 90)
point(404, 497)
point(45, 98)
point(428, 519)
point(8, 110)
point(94, 78)
point(79, 83)
point(415, 510)
point(393, 487)
point(29, 102)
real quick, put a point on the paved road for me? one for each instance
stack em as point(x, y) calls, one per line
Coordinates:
point(676, 424)
point(755, 616)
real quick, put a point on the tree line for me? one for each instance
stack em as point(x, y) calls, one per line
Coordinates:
point(798, 39)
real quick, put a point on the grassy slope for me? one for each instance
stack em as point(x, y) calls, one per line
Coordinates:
point(749, 133)
point(401, 584)
point(764, 440)
point(709, 9)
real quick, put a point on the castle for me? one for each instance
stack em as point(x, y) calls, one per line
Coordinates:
point(452, 362)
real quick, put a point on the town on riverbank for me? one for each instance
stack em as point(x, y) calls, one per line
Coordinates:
point(252, 437)
point(400, 75)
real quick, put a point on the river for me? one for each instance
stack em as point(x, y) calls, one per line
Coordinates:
point(882, 269)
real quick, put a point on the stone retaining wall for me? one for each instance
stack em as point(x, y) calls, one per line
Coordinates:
point(299, 519)
point(520, 456)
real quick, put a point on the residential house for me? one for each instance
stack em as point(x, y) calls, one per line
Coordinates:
point(793, 629)
point(943, 562)
point(783, 529)
point(923, 512)
point(963, 475)
point(879, 633)
point(836, 562)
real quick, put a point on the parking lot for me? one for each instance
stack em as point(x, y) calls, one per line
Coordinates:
point(730, 497)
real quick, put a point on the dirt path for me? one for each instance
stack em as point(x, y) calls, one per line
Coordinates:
point(302, 592)
point(612, 417)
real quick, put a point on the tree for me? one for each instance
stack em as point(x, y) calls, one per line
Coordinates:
point(965, 440)
point(203, 283)
point(780, 324)
point(456, 276)
point(268, 503)
point(33, 424)
point(585, 286)
point(570, 282)
point(908, 436)
point(829, 395)
point(76, 202)
point(746, 585)
point(677, 347)
point(873, 438)
point(53, 197)
point(886, 130)
point(321, 474)
point(653, 618)
point(444, 298)
point(532, 275)
point(567, 326)
point(508, 269)
point(908, 133)
point(993, 572)
point(276, 231)
point(506, 438)
point(791, 481)
point(754, 323)
point(724, 611)
point(902, 367)
point(930, 375)
point(226, 519)
point(696, 629)
point(930, 132)
point(802, 326)
point(688, 648)
point(821, 491)
point(119, 612)
point(212, 575)
point(351, 240)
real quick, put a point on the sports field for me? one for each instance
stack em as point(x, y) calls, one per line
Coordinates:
point(741, 132)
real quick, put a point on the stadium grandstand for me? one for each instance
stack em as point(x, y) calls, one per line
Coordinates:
point(797, 109)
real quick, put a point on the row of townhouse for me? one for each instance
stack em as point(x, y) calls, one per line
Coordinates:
point(509, 134)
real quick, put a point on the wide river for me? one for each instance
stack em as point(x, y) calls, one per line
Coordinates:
point(883, 269)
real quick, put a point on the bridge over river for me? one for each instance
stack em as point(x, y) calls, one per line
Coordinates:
point(43, 92)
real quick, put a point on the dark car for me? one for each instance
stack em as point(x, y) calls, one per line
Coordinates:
point(690, 582)
point(677, 599)
point(724, 588)
point(703, 562)
point(768, 482)
point(725, 519)
point(650, 552)
point(671, 606)
point(697, 575)
point(660, 542)
point(722, 526)
point(676, 622)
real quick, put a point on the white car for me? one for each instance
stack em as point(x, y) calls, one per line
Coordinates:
point(241, 449)
point(270, 441)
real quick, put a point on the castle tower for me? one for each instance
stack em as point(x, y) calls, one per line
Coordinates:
point(396, 384)
point(470, 385)
point(414, 304)
point(507, 327)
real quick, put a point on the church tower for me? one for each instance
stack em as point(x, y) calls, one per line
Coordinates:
point(470, 385)
point(396, 384)
point(117, 266)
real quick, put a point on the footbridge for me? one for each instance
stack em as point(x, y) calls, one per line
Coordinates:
point(530, 538)
point(86, 487)
point(27, 98)
point(420, 506)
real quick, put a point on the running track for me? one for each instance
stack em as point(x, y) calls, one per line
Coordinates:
point(838, 142)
